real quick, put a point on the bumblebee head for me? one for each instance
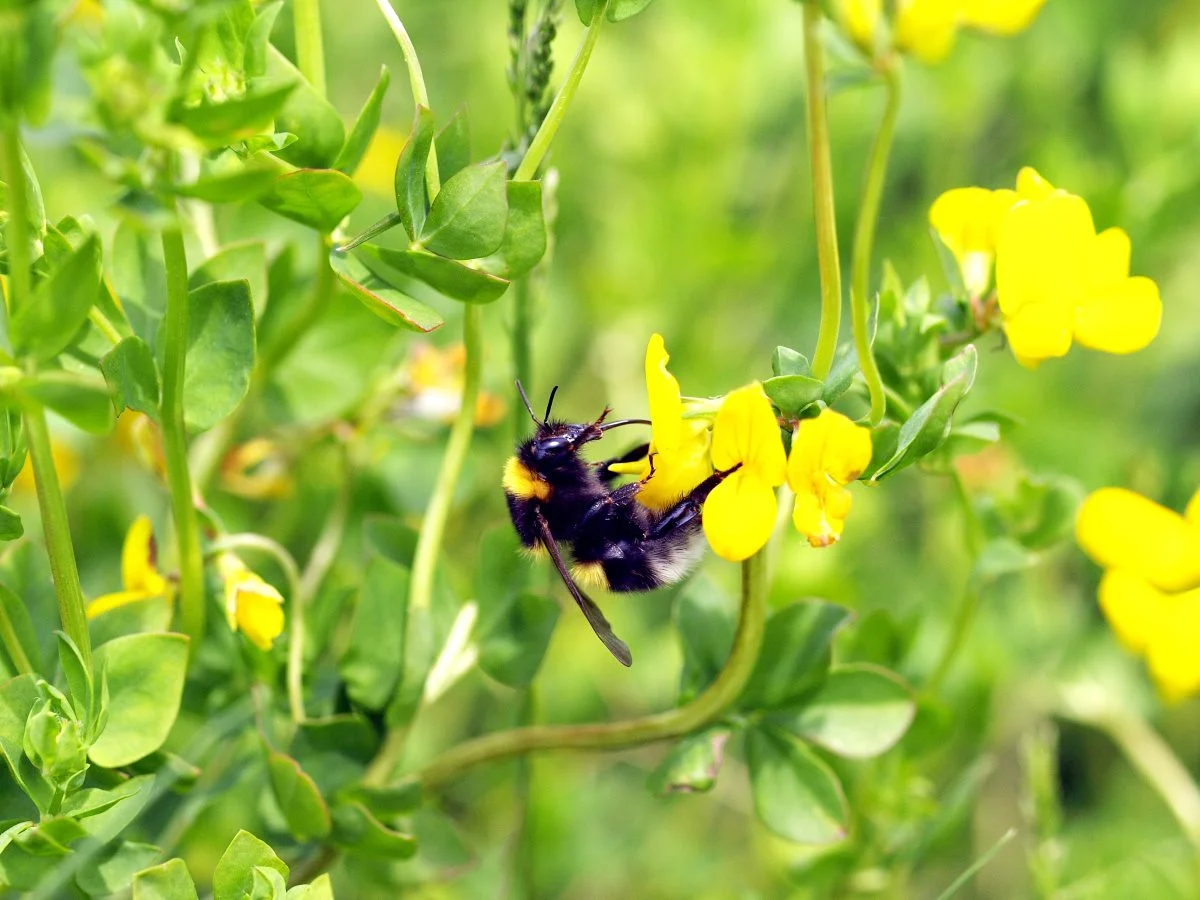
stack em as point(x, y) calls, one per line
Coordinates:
point(556, 445)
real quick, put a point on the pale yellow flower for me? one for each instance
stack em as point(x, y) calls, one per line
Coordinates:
point(828, 453)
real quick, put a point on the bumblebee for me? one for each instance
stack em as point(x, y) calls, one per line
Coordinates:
point(556, 497)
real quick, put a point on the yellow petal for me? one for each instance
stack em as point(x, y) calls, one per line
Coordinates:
point(739, 516)
point(926, 28)
point(1000, 16)
point(1038, 332)
point(831, 446)
point(861, 18)
point(745, 431)
point(967, 220)
point(105, 602)
point(139, 557)
point(1043, 251)
point(260, 616)
point(821, 516)
point(1031, 185)
point(1120, 318)
point(666, 405)
point(1172, 655)
point(1192, 512)
point(1134, 607)
point(1110, 257)
point(1123, 530)
point(677, 472)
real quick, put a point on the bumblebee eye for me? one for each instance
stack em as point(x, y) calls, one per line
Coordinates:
point(551, 447)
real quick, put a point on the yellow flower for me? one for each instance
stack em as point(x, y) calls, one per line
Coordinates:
point(139, 572)
point(434, 379)
point(258, 470)
point(927, 28)
point(967, 219)
point(1150, 593)
point(740, 512)
point(252, 606)
point(1058, 281)
point(828, 453)
point(861, 20)
point(680, 446)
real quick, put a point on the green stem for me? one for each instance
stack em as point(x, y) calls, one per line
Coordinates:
point(611, 736)
point(545, 134)
point(58, 533)
point(18, 218)
point(823, 208)
point(416, 82)
point(429, 541)
point(522, 359)
point(104, 326)
point(864, 237)
point(387, 223)
point(310, 52)
point(175, 332)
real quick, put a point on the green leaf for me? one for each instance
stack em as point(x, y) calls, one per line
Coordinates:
point(792, 393)
point(152, 614)
point(318, 198)
point(221, 124)
point(113, 871)
point(453, 145)
point(267, 885)
point(365, 125)
point(386, 302)
point(18, 696)
point(929, 424)
point(46, 322)
point(385, 802)
point(795, 654)
point(514, 637)
point(692, 765)
point(298, 797)
point(78, 678)
point(358, 832)
point(950, 265)
point(468, 218)
point(796, 795)
point(258, 38)
point(145, 682)
point(321, 888)
point(19, 619)
point(444, 275)
point(999, 557)
point(139, 278)
point(11, 526)
point(243, 259)
point(233, 877)
point(82, 400)
point(786, 361)
point(132, 376)
point(220, 352)
point(524, 242)
point(236, 182)
point(618, 10)
point(316, 124)
point(374, 656)
point(704, 617)
point(841, 375)
point(169, 881)
point(335, 750)
point(859, 711)
point(411, 196)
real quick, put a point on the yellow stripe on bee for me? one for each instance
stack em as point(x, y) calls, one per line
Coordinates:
point(523, 483)
point(590, 575)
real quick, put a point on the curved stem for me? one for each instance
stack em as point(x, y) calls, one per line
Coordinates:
point(175, 330)
point(545, 134)
point(310, 52)
point(429, 541)
point(823, 209)
point(416, 81)
point(58, 533)
point(610, 736)
point(864, 237)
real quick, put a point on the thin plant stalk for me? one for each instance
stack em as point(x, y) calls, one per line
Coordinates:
point(662, 726)
point(540, 144)
point(9, 637)
point(187, 528)
point(18, 218)
point(864, 237)
point(310, 50)
point(823, 208)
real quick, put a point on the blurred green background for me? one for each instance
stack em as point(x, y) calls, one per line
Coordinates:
point(684, 207)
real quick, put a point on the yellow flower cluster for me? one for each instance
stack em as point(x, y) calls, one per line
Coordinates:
point(927, 28)
point(1057, 280)
point(1150, 592)
point(688, 442)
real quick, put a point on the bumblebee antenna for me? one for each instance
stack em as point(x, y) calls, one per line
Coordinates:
point(549, 405)
point(620, 422)
point(525, 400)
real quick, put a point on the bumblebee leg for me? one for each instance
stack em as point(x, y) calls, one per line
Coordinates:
point(687, 511)
point(637, 453)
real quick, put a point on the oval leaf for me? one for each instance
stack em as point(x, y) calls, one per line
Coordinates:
point(132, 376)
point(796, 795)
point(144, 673)
point(169, 881)
point(220, 352)
point(692, 765)
point(859, 712)
point(386, 302)
point(514, 638)
point(360, 833)
point(302, 804)
point(48, 320)
point(795, 653)
point(468, 217)
point(411, 198)
point(82, 400)
point(234, 874)
point(446, 276)
point(318, 198)
point(364, 128)
point(374, 656)
point(524, 242)
point(791, 393)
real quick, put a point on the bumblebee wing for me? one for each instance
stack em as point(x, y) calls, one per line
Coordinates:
point(590, 610)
